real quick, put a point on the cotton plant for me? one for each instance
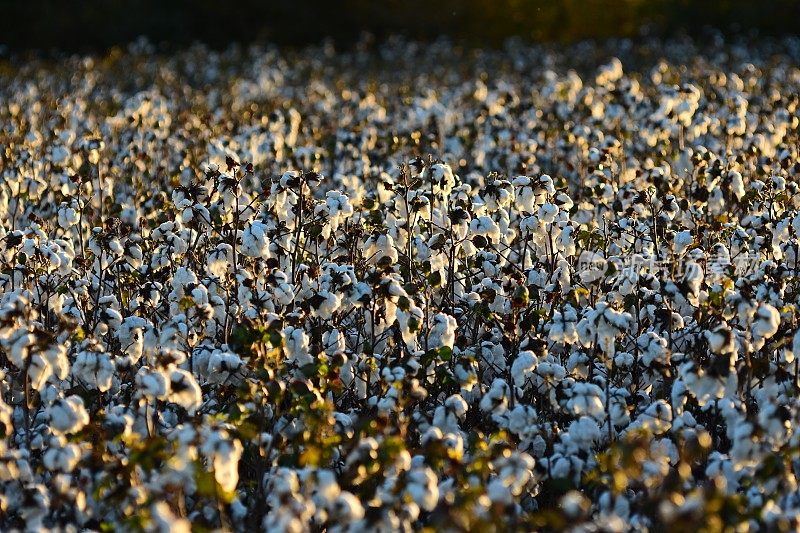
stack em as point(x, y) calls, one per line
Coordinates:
point(562, 293)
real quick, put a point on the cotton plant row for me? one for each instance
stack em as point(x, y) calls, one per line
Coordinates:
point(403, 288)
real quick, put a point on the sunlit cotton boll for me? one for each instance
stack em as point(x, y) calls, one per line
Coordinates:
point(68, 415)
point(255, 242)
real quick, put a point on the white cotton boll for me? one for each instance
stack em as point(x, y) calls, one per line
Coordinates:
point(182, 278)
point(547, 213)
point(219, 260)
point(94, 370)
point(151, 384)
point(347, 508)
point(283, 293)
point(653, 348)
point(222, 365)
point(226, 464)
point(523, 367)
point(184, 390)
point(584, 432)
point(721, 340)
point(525, 196)
point(380, 249)
point(410, 322)
point(255, 242)
point(563, 327)
point(61, 456)
point(422, 488)
point(587, 399)
point(485, 227)
point(67, 217)
point(442, 331)
point(328, 304)
point(737, 184)
point(592, 266)
point(495, 401)
point(20, 349)
point(683, 240)
point(765, 324)
point(295, 346)
point(165, 521)
point(333, 342)
point(443, 179)
point(575, 504)
point(68, 415)
point(656, 419)
point(116, 247)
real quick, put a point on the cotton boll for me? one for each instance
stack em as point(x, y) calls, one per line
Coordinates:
point(68, 415)
point(563, 326)
point(225, 455)
point(765, 324)
point(442, 331)
point(61, 456)
point(422, 488)
point(94, 370)
point(486, 227)
point(165, 521)
point(495, 401)
point(584, 432)
point(255, 242)
point(333, 342)
point(219, 260)
point(654, 349)
point(67, 216)
point(683, 240)
point(184, 390)
point(327, 304)
point(587, 399)
point(737, 184)
point(721, 340)
point(523, 366)
point(222, 365)
point(151, 384)
point(295, 346)
point(381, 249)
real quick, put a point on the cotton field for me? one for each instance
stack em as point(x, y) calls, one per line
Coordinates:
point(402, 287)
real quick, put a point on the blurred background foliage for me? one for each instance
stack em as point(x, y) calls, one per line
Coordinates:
point(96, 25)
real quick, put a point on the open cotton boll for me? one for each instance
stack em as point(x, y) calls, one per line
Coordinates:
point(683, 240)
point(381, 248)
point(165, 521)
point(563, 326)
point(325, 304)
point(523, 367)
point(333, 342)
point(222, 364)
point(765, 324)
point(486, 227)
point(151, 384)
point(495, 401)
point(94, 370)
point(721, 340)
point(255, 242)
point(61, 456)
point(442, 331)
point(224, 455)
point(184, 390)
point(67, 216)
point(422, 488)
point(295, 346)
point(68, 415)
